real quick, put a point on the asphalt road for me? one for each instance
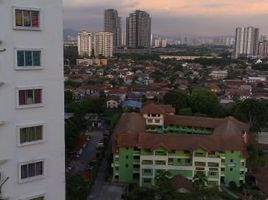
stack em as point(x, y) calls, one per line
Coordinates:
point(102, 190)
point(80, 164)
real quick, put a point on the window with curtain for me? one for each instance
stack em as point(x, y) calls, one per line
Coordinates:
point(27, 18)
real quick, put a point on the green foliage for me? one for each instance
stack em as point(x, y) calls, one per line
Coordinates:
point(86, 105)
point(68, 97)
point(72, 83)
point(176, 99)
point(142, 194)
point(256, 157)
point(139, 57)
point(233, 185)
point(76, 188)
point(253, 112)
point(70, 55)
point(205, 102)
point(200, 181)
point(73, 127)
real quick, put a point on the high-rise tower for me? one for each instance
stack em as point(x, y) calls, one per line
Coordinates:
point(138, 30)
point(112, 24)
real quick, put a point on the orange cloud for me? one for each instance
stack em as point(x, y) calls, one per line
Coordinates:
point(183, 7)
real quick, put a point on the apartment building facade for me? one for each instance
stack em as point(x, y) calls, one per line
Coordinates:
point(138, 30)
point(112, 24)
point(32, 157)
point(156, 140)
point(246, 41)
point(103, 44)
point(84, 42)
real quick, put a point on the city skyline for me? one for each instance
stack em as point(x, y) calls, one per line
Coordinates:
point(172, 18)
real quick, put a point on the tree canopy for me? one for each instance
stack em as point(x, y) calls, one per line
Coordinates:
point(176, 99)
point(204, 101)
point(253, 112)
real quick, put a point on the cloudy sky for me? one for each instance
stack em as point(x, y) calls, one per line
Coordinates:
point(173, 17)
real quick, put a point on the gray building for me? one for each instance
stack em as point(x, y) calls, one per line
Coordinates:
point(246, 41)
point(112, 24)
point(138, 30)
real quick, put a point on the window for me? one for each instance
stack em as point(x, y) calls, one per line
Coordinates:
point(157, 121)
point(30, 134)
point(28, 59)
point(149, 121)
point(31, 170)
point(29, 97)
point(27, 18)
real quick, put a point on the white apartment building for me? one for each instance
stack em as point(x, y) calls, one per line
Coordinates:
point(84, 40)
point(32, 157)
point(246, 41)
point(103, 44)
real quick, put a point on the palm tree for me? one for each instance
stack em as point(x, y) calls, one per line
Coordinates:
point(200, 181)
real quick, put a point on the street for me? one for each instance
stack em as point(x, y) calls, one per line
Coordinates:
point(80, 164)
point(102, 190)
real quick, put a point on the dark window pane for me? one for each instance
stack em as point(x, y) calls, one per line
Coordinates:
point(38, 95)
point(24, 171)
point(36, 58)
point(22, 97)
point(27, 18)
point(20, 58)
point(35, 18)
point(32, 170)
point(23, 136)
point(28, 58)
point(18, 14)
point(39, 168)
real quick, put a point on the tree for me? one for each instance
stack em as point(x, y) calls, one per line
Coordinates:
point(253, 112)
point(76, 188)
point(204, 101)
point(200, 181)
point(68, 97)
point(142, 193)
point(164, 189)
point(176, 99)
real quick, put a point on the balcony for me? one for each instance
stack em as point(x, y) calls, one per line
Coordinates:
point(2, 122)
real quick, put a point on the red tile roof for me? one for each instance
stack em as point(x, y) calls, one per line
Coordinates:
point(130, 132)
point(179, 182)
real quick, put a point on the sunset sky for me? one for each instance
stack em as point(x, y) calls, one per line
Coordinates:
point(173, 17)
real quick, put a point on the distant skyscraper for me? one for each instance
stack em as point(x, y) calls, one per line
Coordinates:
point(112, 24)
point(246, 41)
point(84, 41)
point(138, 30)
point(103, 44)
point(263, 49)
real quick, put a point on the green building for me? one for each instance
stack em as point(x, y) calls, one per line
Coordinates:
point(155, 139)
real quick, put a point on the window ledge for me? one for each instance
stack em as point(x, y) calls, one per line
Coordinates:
point(27, 69)
point(30, 106)
point(26, 28)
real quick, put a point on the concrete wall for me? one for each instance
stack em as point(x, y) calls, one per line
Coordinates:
point(51, 114)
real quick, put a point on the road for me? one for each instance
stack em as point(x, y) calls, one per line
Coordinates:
point(101, 190)
point(80, 164)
